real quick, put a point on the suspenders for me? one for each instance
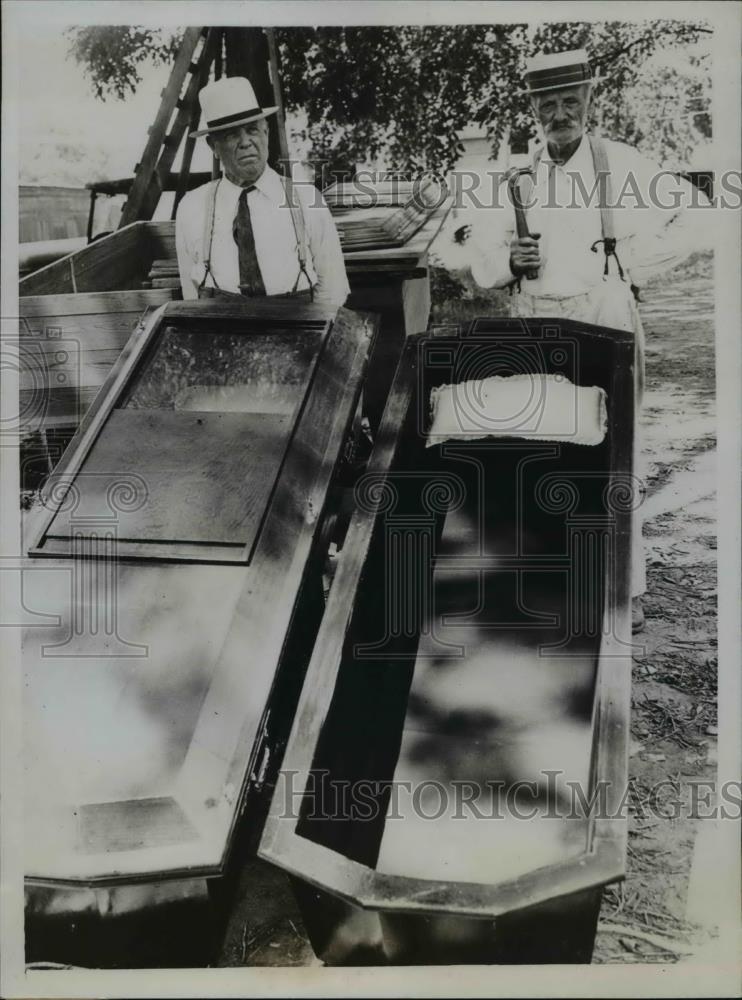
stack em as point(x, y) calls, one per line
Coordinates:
point(297, 219)
point(605, 198)
point(208, 237)
point(300, 231)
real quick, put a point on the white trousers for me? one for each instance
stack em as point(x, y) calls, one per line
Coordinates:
point(610, 304)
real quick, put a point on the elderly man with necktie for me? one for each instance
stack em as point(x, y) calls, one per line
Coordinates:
point(253, 232)
point(583, 228)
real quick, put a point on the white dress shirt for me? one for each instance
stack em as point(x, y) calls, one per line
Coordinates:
point(649, 239)
point(275, 240)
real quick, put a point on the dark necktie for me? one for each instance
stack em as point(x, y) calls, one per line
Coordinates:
point(251, 281)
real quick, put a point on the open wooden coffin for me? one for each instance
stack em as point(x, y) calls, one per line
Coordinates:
point(173, 586)
point(452, 786)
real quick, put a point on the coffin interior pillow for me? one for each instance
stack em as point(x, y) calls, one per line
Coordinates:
point(537, 407)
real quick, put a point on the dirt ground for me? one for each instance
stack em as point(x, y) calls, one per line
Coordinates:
point(675, 665)
point(657, 914)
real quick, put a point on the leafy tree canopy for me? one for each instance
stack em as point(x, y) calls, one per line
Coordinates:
point(406, 93)
point(111, 56)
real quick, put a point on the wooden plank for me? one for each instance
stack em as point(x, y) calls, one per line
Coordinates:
point(86, 372)
point(295, 518)
point(263, 352)
point(161, 237)
point(80, 335)
point(411, 252)
point(95, 331)
point(63, 408)
point(71, 365)
point(416, 304)
point(208, 476)
point(94, 418)
point(158, 131)
point(162, 283)
point(116, 262)
point(56, 306)
point(279, 843)
point(283, 148)
point(172, 141)
point(72, 343)
point(187, 552)
point(346, 194)
point(369, 225)
point(255, 312)
point(190, 143)
point(33, 256)
point(113, 267)
point(383, 274)
point(91, 331)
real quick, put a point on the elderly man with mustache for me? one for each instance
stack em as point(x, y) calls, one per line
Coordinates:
point(587, 224)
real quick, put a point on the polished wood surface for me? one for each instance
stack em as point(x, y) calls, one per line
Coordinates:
point(201, 478)
point(152, 681)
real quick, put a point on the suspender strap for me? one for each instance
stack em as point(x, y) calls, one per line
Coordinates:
point(605, 201)
point(300, 231)
point(208, 238)
point(297, 219)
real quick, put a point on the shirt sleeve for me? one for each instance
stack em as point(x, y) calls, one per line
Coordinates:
point(183, 248)
point(672, 223)
point(492, 229)
point(324, 244)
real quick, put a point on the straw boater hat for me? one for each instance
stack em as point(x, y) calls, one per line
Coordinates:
point(558, 70)
point(228, 102)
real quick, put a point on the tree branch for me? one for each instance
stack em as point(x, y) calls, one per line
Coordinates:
point(613, 56)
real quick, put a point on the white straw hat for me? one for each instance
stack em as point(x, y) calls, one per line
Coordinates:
point(558, 70)
point(229, 102)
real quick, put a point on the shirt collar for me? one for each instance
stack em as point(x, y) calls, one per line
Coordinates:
point(269, 184)
point(577, 160)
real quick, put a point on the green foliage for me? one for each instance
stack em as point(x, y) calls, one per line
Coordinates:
point(408, 92)
point(110, 56)
point(405, 93)
point(456, 298)
point(666, 114)
point(444, 285)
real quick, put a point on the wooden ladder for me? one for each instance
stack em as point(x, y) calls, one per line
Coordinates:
point(162, 145)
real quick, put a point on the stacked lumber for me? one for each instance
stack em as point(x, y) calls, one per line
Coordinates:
point(163, 274)
point(384, 217)
point(358, 194)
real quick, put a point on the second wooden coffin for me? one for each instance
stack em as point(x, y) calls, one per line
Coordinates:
point(452, 785)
